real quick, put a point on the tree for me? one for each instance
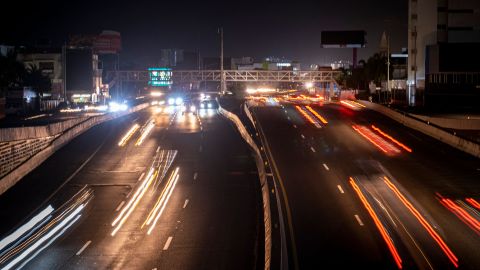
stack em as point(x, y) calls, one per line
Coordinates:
point(37, 80)
point(376, 68)
point(11, 73)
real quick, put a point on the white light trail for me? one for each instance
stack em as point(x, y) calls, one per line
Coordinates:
point(51, 233)
point(145, 132)
point(26, 227)
point(129, 134)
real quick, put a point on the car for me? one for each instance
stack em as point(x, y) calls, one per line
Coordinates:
point(207, 104)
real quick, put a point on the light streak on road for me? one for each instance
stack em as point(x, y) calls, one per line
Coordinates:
point(323, 120)
point(148, 128)
point(26, 227)
point(423, 222)
point(128, 135)
point(408, 149)
point(348, 104)
point(133, 202)
point(162, 202)
point(307, 116)
point(378, 223)
point(160, 198)
point(461, 210)
point(359, 104)
point(42, 230)
point(376, 140)
point(473, 202)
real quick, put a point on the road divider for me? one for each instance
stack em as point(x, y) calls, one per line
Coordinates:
point(267, 219)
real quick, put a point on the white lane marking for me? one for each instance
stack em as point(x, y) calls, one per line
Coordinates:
point(326, 167)
point(313, 149)
point(359, 220)
point(141, 176)
point(340, 188)
point(133, 121)
point(185, 204)
point(288, 117)
point(294, 126)
point(84, 247)
point(303, 137)
point(167, 244)
point(119, 206)
point(195, 176)
point(158, 149)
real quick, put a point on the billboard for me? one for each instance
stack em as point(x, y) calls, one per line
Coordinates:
point(160, 76)
point(108, 42)
point(79, 69)
point(343, 39)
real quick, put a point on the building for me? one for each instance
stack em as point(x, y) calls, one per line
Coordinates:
point(444, 52)
point(50, 62)
point(83, 77)
point(179, 59)
point(345, 64)
point(213, 63)
point(6, 49)
point(277, 63)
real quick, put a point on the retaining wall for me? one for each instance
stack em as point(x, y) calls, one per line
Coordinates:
point(23, 160)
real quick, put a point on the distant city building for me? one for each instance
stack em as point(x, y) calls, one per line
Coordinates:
point(213, 63)
point(241, 62)
point(443, 39)
point(50, 62)
point(179, 59)
point(280, 63)
point(83, 77)
point(6, 49)
point(345, 64)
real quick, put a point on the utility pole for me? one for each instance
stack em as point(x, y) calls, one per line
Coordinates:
point(388, 67)
point(222, 75)
point(64, 52)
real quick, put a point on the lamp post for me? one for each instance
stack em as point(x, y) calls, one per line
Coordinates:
point(388, 67)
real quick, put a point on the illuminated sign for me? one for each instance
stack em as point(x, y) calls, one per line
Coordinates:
point(160, 76)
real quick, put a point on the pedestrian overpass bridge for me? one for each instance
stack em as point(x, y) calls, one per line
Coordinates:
point(181, 76)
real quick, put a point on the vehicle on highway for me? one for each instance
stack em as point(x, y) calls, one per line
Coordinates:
point(207, 104)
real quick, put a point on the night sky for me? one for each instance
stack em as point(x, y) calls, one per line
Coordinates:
point(259, 29)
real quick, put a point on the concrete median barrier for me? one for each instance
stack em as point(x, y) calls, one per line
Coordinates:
point(263, 182)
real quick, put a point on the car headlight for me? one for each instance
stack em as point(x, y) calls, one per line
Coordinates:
point(178, 101)
point(171, 101)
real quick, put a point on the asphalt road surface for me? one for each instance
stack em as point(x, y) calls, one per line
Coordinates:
point(365, 192)
point(157, 189)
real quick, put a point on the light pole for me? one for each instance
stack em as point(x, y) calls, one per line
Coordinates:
point(388, 67)
point(222, 75)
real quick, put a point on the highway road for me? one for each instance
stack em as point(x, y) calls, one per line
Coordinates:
point(157, 189)
point(365, 192)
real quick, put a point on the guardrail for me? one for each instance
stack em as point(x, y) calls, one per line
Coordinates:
point(430, 130)
point(24, 160)
point(263, 182)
